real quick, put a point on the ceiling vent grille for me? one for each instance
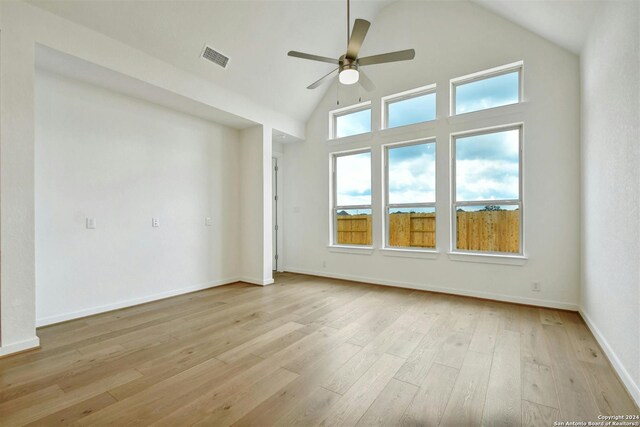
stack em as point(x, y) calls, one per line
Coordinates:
point(214, 56)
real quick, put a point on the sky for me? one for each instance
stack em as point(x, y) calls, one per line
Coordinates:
point(353, 179)
point(479, 95)
point(354, 123)
point(412, 174)
point(413, 110)
point(487, 93)
point(487, 166)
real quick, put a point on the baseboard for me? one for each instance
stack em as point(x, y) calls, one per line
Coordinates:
point(256, 281)
point(20, 347)
point(623, 374)
point(452, 291)
point(50, 320)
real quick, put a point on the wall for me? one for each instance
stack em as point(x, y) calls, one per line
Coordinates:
point(610, 292)
point(123, 161)
point(23, 26)
point(255, 205)
point(453, 39)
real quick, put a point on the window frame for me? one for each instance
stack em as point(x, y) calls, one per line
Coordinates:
point(334, 197)
point(386, 206)
point(455, 204)
point(484, 75)
point(344, 111)
point(403, 96)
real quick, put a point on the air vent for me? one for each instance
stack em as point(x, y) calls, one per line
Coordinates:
point(214, 56)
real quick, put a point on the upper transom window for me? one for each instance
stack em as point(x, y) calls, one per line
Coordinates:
point(487, 89)
point(349, 121)
point(410, 107)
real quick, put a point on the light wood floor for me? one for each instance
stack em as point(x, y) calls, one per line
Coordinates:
point(310, 351)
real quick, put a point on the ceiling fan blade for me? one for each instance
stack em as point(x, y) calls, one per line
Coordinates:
point(366, 82)
point(312, 57)
point(322, 80)
point(360, 28)
point(401, 55)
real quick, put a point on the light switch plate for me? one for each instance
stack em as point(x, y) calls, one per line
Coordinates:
point(208, 221)
point(91, 223)
point(155, 222)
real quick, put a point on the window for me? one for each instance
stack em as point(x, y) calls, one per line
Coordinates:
point(410, 171)
point(487, 191)
point(493, 88)
point(353, 120)
point(352, 198)
point(407, 108)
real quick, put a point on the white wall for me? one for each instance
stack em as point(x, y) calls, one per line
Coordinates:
point(453, 39)
point(255, 205)
point(22, 27)
point(610, 293)
point(123, 161)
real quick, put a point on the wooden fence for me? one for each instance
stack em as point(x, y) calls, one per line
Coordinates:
point(412, 230)
point(354, 230)
point(497, 231)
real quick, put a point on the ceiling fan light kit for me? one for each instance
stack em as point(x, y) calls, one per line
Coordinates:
point(349, 74)
point(349, 64)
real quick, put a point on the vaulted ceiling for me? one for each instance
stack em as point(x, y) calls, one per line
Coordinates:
point(257, 35)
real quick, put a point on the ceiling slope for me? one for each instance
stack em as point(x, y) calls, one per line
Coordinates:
point(256, 35)
point(563, 22)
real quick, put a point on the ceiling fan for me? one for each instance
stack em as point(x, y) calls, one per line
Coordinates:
point(349, 64)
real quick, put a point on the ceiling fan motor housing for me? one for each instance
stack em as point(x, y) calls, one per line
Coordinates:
point(348, 64)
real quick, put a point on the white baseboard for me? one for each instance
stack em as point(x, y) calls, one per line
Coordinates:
point(256, 281)
point(19, 346)
point(44, 321)
point(452, 291)
point(625, 377)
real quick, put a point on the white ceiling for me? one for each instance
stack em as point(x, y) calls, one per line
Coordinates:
point(257, 35)
point(564, 22)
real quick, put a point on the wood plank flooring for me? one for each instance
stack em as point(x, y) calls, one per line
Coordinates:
point(312, 351)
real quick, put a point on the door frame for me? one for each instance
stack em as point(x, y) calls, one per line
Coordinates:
point(279, 217)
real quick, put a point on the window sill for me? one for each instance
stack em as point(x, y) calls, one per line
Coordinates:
point(410, 253)
point(349, 139)
point(488, 258)
point(357, 250)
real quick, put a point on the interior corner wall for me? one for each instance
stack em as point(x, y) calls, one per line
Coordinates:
point(255, 205)
point(610, 291)
point(123, 161)
point(452, 39)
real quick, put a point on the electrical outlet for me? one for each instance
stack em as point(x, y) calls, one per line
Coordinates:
point(155, 222)
point(324, 264)
point(536, 287)
point(208, 221)
point(91, 223)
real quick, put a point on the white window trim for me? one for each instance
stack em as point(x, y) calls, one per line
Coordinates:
point(483, 75)
point(334, 114)
point(410, 253)
point(402, 96)
point(486, 256)
point(333, 205)
point(396, 250)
